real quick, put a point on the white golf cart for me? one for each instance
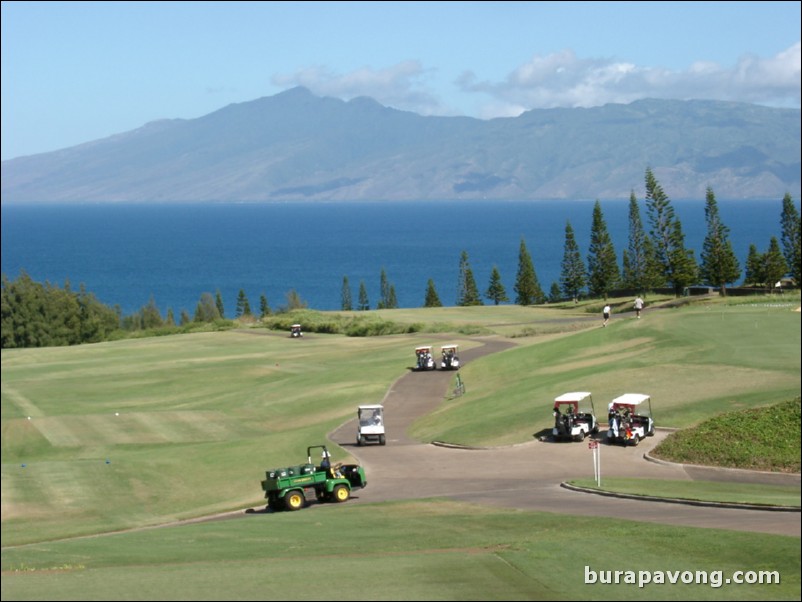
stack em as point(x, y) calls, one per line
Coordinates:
point(630, 419)
point(450, 357)
point(371, 425)
point(424, 359)
point(295, 331)
point(574, 416)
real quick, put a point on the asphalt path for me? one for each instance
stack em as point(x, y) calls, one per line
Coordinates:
point(529, 475)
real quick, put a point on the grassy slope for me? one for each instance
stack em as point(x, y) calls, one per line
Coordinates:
point(757, 439)
point(201, 416)
point(695, 363)
point(397, 551)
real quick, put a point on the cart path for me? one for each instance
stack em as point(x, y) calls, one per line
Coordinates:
point(528, 476)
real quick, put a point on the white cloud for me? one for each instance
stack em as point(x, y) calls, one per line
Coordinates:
point(564, 80)
point(400, 86)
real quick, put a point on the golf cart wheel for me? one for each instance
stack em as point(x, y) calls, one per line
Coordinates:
point(580, 436)
point(381, 440)
point(294, 500)
point(651, 431)
point(635, 440)
point(340, 494)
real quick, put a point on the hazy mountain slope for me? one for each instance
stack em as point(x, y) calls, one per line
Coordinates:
point(298, 146)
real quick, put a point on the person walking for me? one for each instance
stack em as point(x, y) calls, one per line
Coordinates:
point(638, 306)
point(606, 314)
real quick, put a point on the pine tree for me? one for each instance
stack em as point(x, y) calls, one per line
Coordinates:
point(495, 290)
point(636, 259)
point(387, 292)
point(432, 299)
point(774, 264)
point(218, 301)
point(264, 308)
point(555, 294)
point(345, 299)
point(572, 274)
point(243, 306)
point(364, 304)
point(603, 274)
point(527, 288)
point(467, 291)
point(791, 228)
point(755, 272)
point(719, 264)
point(677, 266)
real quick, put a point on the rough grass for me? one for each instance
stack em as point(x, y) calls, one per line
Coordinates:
point(707, 491)
point(760, 439)
point(421, 550)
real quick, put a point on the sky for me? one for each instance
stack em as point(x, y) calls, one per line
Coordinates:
point(73, 72)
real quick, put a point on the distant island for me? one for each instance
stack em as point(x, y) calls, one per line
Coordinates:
point(298, 146)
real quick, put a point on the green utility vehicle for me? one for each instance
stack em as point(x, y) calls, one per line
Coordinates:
point(287, 488)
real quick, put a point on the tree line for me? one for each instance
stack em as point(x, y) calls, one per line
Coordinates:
point(37, 315)
point(654, 259)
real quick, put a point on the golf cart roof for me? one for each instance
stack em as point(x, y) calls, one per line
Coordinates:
point(372, 407)
point(449, 346)
point(576, 396)
point(630, 399)
point(423, 348)
point(294, 325)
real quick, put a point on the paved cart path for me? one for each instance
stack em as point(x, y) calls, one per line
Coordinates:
point(528, 476)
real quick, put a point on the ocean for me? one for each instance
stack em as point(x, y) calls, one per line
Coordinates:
point(127, 254)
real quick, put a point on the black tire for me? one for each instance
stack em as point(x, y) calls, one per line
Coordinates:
point(381, 440)
point(635, 440)
point(340, 494)
point(294, 500)
point(581, 436)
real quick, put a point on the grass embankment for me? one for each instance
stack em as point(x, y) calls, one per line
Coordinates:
point(141, 432)
point(758, 439)
point(706, 491)
point(423, 550)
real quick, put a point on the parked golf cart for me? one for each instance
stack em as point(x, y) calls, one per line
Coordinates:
point(630, 419)
point(450, 359)
point(371, 425)
point(424, 359)
point(574, 416)
point(295, 331)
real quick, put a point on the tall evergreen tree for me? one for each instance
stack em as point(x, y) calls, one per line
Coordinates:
point(677, 266)
point(774, 264)
point(636, 259)
point(755, 271)
point(364, 303)
point(387, 298)
point(467, 291)
point(170, 319)
point(432, 299)
point(345, 298)
point(603, 274)
point(264, 308)
point(791, 228)
point(719, 264)
point(218, 301)
point(184, 319)
point(572, 274)
point(555, 294)
point(243, 305)
point(527, 288)
point(495, 290)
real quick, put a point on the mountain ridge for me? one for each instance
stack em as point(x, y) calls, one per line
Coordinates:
point(298, 146)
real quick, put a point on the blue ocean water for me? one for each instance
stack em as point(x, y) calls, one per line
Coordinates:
point(125, 254)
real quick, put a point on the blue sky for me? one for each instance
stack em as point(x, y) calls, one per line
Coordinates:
point(73, 72)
